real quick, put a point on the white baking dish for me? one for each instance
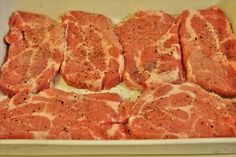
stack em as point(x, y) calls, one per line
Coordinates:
point(116, 10)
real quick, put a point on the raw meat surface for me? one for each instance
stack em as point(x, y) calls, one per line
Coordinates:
point(182, 111)
point(94, 57)
point(151, 49)
point(209, 50)
point(54, 114)
point(35, 53)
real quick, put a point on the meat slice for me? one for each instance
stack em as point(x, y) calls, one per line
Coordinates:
point(54, 114)
point(209, 50)
point(182, 111)
point(151, 49)
point(94, 57)
point(35, 53)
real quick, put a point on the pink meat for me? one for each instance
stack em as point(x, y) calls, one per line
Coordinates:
point(36, 46)
point(94, 57)
point(181, 111)
point(209, 50)
point(54, 114)
point(151, 49)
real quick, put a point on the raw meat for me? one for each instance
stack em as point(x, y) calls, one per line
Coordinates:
point(35, 53)
point(94, 57)
point(182, 111)
point(54, 114)
point(151, 49)
point(209, 50)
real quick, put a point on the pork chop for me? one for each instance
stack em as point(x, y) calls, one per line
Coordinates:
point(151, 49)
point(54, 114)
point(182, 111)
point(36, 46)
point(209, 50)
point(94, 57)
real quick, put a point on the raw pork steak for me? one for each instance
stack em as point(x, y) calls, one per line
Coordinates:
point(54, 114)
point(152, 52)
point(94, 57)
point(209, 50)
point(182, 111)
point(35, 53)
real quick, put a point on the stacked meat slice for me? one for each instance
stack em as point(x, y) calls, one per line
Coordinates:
point(36, 49)
point(168, 111)
point(54, 114)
